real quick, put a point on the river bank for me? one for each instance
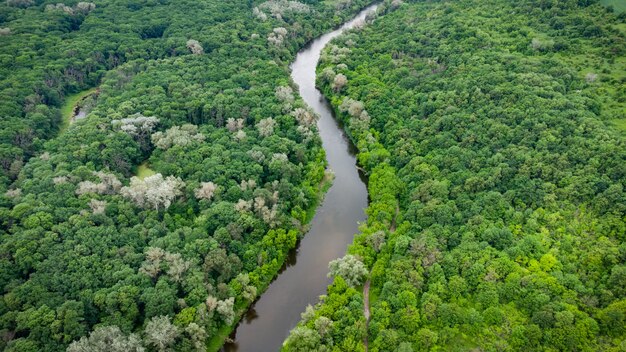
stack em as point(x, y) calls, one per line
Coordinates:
point(269, 320)
point(68, 110)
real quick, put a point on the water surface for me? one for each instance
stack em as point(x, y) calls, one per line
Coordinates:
point(303, 279)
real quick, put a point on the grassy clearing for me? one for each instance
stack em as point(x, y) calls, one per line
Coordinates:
point(143, 170)
point(67, 110)
point(216, 342)
point(620, 124)
point(618, 5)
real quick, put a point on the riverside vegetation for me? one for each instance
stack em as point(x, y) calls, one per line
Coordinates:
point(490, 133)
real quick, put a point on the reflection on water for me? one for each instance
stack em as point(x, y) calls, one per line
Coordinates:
point(81, 114)
point(303, 278)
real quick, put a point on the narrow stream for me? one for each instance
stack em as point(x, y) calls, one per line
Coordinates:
point(268, 322)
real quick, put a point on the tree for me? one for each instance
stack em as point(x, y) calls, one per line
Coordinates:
point(97, 206)
point(266, 127)
point(206, 190)
point(613, 318)
point(60, 7)
point(376, 240)
point(183, 136)
point(279, 8)
point(160, 299)
point(328, 74)
point(404, 346)
point(284, 94)
point(161, 333)
point(107, 339)
point(20, 3)
point(137, 125)
point(303, 339)
point(234, 125)
point(226, 309)
point(259, 14)
point(427, 338)
point(240, 136)
point(304, 117)
point(339, 82)
point(153, 191)
point(352, 107)
point(195, 47)
point(277, 36)
point(323, 325)
point(152, 264)
point(109, 184)
point(248, 291)
point(308, 314)
point(351, 269)
point(85, 7)
point(197, 335)
point(617, 280)
point(177, 266)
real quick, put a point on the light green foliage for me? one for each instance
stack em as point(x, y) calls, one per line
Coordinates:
point(144, 170)
point(488, 138)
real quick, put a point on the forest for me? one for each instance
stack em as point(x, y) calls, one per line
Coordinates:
point(154, 222)
point(492, 134)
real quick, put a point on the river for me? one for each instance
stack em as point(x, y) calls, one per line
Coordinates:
point(304, 278)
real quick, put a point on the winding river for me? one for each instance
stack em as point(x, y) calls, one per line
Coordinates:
point(303, 279)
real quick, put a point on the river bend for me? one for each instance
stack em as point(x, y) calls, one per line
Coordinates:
point(304, 278)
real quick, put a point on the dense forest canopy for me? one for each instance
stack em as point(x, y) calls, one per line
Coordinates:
point(492, 133)
point(154, 222)
point(497, 176)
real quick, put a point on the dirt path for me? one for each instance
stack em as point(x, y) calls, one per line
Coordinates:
point(392, 228)
point(366, 309)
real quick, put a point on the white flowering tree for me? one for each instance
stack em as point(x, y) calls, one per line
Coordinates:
point(107, 339)
point(109, 184)
point(266, 127)
point(277, 37)
point(339, 82)
point(197, 335)
point(280, 8)
point(234, 125)
point(195, 47)
point(139, 127)
point(226, 309)
point(349, 268)
point(154, 191)
point(178, 135)
point(284, 94)
point(161, 333)
point(206, 190)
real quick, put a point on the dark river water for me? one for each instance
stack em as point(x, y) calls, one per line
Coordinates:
point(268, 322)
